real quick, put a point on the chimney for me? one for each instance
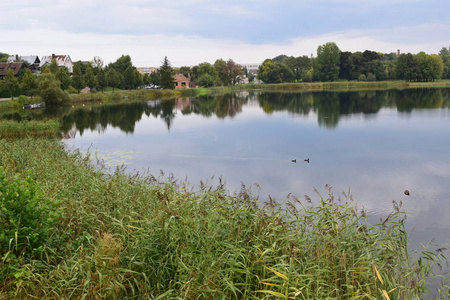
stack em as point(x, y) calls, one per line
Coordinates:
point(398, 52)
point(17, 57)
point(53, 56)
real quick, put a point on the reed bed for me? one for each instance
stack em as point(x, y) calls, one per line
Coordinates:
point(145, 237)
point(13, 129)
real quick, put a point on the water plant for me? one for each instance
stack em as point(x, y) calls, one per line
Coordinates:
point(139, 236)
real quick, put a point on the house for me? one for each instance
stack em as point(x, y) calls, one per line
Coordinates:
point(33, 61)
point(61, 60)
point(15, 66)
point(182, 81)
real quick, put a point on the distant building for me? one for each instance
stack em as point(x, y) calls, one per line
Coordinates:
point(146, 70)
point(251, 68)
point(182, 81)
point(16, 67)
point(33, 61)
point(61, 60)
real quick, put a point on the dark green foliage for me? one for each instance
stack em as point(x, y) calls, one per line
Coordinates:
point(326, 65)
point(77, 78)
point(29, 83)
point(90, 79)
point(113, 78)
point(166, 75)
point(128, 78)
point(53, 66)
point(49, 89)
point(63, 75)
point(26, 216)
point(11, 83)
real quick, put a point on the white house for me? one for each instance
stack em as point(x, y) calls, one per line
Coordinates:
point(61, 60)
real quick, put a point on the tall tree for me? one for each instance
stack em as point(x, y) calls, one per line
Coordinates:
point(128, 78)
point(29, 84)
point(138, 79)
point(11, 83)
point(113, 78)
point(49, 89)
point(63, 75)
point(326, 65)
point(101, 79)
point(90, 78)
point(166, 75)
point(234, 71)
point(77, 78)
point(221, 68)
point(53, 66)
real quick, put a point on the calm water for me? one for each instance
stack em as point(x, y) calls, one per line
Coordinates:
point(377, 144)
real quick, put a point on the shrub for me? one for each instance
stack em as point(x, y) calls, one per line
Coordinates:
point(371, 77)
point(26, 217)
point(362, 77)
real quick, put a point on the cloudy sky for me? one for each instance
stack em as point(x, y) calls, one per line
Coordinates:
point(189, 32)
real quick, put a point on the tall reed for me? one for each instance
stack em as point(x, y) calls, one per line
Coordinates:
point(145, 237)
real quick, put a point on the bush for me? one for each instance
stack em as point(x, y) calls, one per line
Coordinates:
point(26, 217)
point(22, 99)
point(362, 77)
point(371, 77)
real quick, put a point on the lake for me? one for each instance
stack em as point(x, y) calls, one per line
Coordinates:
point(375, 144)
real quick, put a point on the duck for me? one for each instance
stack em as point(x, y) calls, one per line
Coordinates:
point(406, 192)
point(294, 160)
point(307, 160)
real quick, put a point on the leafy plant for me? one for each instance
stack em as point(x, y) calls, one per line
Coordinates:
point(26, 217)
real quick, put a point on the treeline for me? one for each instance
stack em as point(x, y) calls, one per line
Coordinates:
point(332, 64)
point(55, 82)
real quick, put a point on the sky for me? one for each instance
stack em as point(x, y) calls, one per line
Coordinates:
point(190, 32)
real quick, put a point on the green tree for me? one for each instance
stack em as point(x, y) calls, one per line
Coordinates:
point(436, 66)
point(113, 78)
point(53, 66)
point(326, 65)
point(444, 53)
point(146, 79)
point(406, 67)
point(29, 84)
point(90, 78)
point(122, 63)
point(204, 74)
point(279, 73)
point(263, 69)
point(234, 71)
point(221, 68)
point(11, 83)
point(166, 75)
point(49, 89)
point(63, 75)
point(128, 78)
point(101, 79)
point(77, 78)
point(138, 79)
point(3, 57)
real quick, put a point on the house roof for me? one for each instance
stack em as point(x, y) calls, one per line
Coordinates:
point(180, 77)
point(60, 59)
point(30, 59)
point(15, 66)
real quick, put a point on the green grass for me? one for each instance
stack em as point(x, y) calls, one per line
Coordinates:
point(12, 129)
point(141, 237)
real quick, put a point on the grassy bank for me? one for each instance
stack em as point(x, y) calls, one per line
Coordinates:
point(115, 236)
point(12, 129)
point(142, 95)
point(344, 85)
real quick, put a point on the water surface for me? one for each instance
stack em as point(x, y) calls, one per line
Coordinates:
point(376, 144)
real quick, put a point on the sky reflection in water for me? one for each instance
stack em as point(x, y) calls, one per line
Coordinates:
point(377, 144)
